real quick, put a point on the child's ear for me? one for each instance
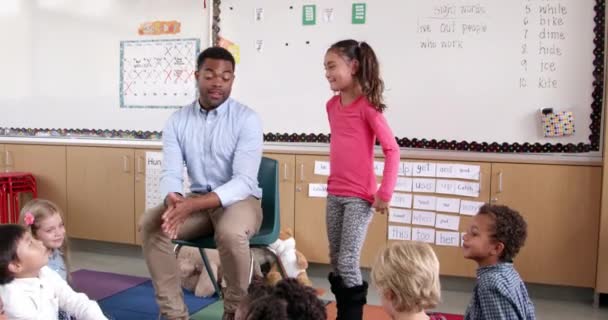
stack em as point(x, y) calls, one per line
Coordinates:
point(15, 267)
point(354, 66)
point(498, 248)
point(389, 295)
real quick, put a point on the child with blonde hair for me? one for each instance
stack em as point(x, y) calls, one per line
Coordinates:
point(406, 276)
point(43, 219)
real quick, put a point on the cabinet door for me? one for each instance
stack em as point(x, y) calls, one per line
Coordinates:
point(287, 164)
point(561, 205)
point(602, 263)
point(101, 194)
point(48, 165)
point(2, 158)
point(311, 230)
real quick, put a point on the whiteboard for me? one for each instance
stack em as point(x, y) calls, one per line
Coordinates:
point(454, 70)
point(61, 59)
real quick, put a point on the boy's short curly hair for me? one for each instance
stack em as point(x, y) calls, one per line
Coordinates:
point(510, 228)
point(288, 300)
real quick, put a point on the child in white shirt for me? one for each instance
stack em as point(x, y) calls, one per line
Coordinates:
point(2, 315)
point(28, 288)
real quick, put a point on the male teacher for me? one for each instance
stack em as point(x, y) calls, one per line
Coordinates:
point(220, 141)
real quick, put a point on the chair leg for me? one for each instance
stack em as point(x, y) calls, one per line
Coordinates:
point(210, 273)
point(176, 249)
point(250, 266)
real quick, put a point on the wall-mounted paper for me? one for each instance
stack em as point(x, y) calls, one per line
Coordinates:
point(399, 215)
point(448, 205)
point(154, 164)
point(399, 233)
point(460, 188)
point(405, 169)
point(401, 200)
point(404, 184)
point(423, 235)
point(322, 168)
point(423, 218)
point(423, 169)
point(424, 202)
point(259, 14)
point(328, 15)
point(444, 221)
point(458, 171)
point(317, 190)
point(423, 185)
point(378, 168)
point(470, 208)
point(447, 238)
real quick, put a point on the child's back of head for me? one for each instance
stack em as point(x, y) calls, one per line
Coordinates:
point(406, 275)
point(287, 300)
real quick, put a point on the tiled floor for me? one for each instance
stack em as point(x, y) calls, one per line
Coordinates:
point(555, 303)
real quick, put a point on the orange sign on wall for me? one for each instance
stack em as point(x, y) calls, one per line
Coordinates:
point(159, 27)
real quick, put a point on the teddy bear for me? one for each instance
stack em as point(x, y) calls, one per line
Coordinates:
point(193, 275)
point(294, 261)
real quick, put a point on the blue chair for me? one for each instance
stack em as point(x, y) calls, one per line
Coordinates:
point(268, 179)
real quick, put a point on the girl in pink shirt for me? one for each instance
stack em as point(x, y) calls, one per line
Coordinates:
point(356, 122)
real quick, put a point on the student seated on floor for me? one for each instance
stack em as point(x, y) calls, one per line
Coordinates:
point(287, 300)
point(406, 276)
point(29, 289)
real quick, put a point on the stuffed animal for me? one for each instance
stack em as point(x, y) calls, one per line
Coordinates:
point(193, 275)
point(294, 261)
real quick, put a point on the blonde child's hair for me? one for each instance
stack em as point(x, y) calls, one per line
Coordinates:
point(42, 209)
point(410, 270)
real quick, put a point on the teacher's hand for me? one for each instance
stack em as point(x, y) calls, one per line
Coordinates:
point(178, 210)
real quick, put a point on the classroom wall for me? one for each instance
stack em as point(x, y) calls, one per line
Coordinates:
point(62, 60)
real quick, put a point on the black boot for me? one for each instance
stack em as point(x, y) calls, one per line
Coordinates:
point(353, 299)
point(349, 301)
point(337, 288)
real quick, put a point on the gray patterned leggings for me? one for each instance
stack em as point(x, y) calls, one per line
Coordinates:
point(347, 220)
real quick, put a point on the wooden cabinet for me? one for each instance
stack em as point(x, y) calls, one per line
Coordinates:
point(602, 263)
point(140, 190)
point(101, 193)
point(47, 164)
point(561, 205)
point(2, 158)
point(287, 163)
point(311, 232)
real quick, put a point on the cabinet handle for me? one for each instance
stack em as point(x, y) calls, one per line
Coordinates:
point(8, 159)
point(125, 164)
point(499, 182)
point(301, 172)
point(139, 166)
point(284, 171)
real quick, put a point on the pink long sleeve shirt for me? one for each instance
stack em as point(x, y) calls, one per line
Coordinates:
point(354, 130)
